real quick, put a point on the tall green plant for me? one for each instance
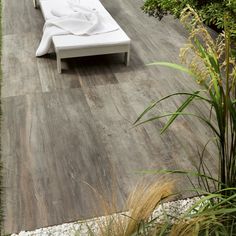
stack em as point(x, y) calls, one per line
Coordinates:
point(211, 64)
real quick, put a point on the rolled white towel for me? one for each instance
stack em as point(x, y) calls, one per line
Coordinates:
point(45, 43)
point(73, 3)
point(58, 11)
point(78, 23)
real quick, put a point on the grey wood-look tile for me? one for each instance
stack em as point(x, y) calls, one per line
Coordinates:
point(51, 154)
point(20, 72)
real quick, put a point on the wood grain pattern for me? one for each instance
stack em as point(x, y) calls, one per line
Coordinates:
point(65, 134)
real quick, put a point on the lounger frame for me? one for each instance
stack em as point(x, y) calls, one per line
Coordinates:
point(90, 50)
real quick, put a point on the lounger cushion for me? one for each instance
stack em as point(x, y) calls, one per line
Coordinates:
point(74, 42)
point(48, 5)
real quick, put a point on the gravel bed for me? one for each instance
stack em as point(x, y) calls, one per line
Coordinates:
point(81, 228)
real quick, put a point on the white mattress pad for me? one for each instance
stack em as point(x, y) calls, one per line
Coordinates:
point(72, 41)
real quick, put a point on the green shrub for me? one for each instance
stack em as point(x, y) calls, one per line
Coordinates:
point(212, 11)
point(159, 8)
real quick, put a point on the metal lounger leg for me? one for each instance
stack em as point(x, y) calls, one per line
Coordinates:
point(35, 3)
point(58, 64)
point(127, 58)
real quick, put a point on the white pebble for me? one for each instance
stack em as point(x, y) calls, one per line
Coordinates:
point(175, 209)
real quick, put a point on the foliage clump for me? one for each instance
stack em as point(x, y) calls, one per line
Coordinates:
point(212, 11)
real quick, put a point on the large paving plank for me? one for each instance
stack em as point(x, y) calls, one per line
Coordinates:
point(18, 17)
point(19, 65)
point(51, 154)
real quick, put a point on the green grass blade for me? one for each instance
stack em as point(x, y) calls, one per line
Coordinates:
point(153, 104)
point(205, 55)
point(182, 114)
point(173, 66)
point(179, 110)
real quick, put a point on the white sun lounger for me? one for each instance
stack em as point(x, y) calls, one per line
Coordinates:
point(68, 46)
